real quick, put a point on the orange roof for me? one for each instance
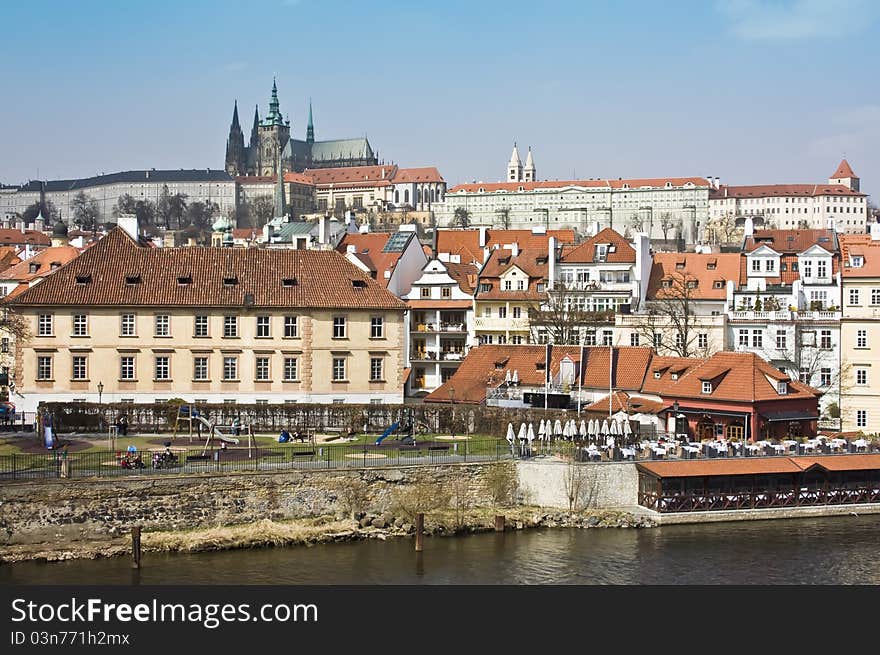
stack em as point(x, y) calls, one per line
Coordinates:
point(621, 401)
point(464, 274)
point(669, 370)
point(585, 252)
point(860, 244)
point(351, 174)
point(12, 236)
point(792, 241)
point(467, 242)
point(653, 182)
point(531, 262)
point(8, 257)
point(740, 377)
point(865, 462)
point(299, 178)
point(369, 250)
point(425, 174)
point(844, 170)
point(759, 465)
point(781, 190)
point(710, 272)
point(41, 264)
point(245, 232)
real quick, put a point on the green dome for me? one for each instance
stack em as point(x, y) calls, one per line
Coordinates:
point(220, 225)
point(60, 230)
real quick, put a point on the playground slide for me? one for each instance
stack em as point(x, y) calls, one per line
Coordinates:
point(217, 433)
point(391, 428)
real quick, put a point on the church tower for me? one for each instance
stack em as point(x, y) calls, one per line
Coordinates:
point(529, 172)
point(310, 129)
point(274, 134)
point(514, 166)
point(235, 152)
point(844, 175)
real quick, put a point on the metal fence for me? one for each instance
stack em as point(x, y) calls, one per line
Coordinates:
point(103, 464)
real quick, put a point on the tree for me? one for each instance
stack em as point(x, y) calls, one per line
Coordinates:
point(504, 215)
point(564, 315)
point(636, 223)
point(723, 229)
point(666, 224)
point(85, 211)
point(669, 322)
point(47, 209)
point(170, 209)
point(125, 204)
point(200, 214)
point(260, 211)
point(461, 218)
point(145, 210)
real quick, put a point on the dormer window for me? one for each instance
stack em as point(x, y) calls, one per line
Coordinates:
point(184, 280)
point(679, 266)
point(674, 376)
point(718, 284)
point(230, 281)
point(692, 284)
point(601, 252)
point(288, 282)
point(33, 268)
point(782, 388)
point(54, 265)
point(657, 375)
point(359, 284)
point(707, 386)
point(666, 284)
point(711, 265)
point(858, 261)
point(131, 280)
point(83, 279)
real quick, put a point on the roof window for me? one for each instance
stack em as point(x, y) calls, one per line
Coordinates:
point(83, 279)
point(288, 282)
point(707, 386)
point(33, 268)
point(230, 281)
point(359, 284)
point(183, 280)
point(131, 280)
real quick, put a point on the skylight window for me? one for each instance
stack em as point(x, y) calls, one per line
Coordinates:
point(183, 280)
point(288, 282)
point(132, 279)
point(83, 279)
point(230, 281)
point(359, 284)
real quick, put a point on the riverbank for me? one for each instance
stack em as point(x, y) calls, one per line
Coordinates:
point(321, 530)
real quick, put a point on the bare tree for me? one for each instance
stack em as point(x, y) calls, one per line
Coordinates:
point(724, 230)
point(47, 209)
point(563, 316)
point(85, 211)
point(669, 322)
point(666, 224)
point(461, 218)
point(501, 483)
point(504, 216)
point(580, 484)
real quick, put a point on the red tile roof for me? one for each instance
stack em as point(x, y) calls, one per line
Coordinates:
point(299, 178)
point(792, 241)
point(248, 233)
point(118, 271)
point(425, 174)
point(669, 369)
point(781, 190)
point(8, 257)
point(621, 401)
point(585, 252)
point(654, 182)
point(860, 244)
point(760, 465)
point(531, 262)
point(467, 242)
point(707, 270)
point(351, 175)
point(464, 274)
point(844, 170)
point(369, 251)
point(44, 261)
point(10, 236)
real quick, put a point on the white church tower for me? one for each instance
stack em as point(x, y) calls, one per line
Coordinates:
point(529, 172)
point(514, 166)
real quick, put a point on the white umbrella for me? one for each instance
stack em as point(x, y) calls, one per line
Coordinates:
point(521, 435)
point(515, 378)
point(507, 376)
point(591, 428)
point(530, 435)
point(612, 429)
point(566, 430)
point(557, 428)
point(510, 434)
point(541, 429)
point(604, 429)
point(627, 429)
point(572, 429)
point(583, 430)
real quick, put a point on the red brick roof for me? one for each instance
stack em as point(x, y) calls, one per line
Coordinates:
point(10, 236)
point(781, 190)
point(844, 170)
point(352, 174)
point(531, 262)
point(118, 271)
point(792, 241)
point(705, 269)
point(467, 242)
point(425, 174)
point(585, 252)
point(860, 244)
point(760, 465)
point(669, 369)
point(653, 182)
point(299, 178)
point(369, 251)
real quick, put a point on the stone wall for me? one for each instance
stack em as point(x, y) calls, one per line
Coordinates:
point(59, 510)
point(600, 485)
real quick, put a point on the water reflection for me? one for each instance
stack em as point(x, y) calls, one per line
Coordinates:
point(804, 551)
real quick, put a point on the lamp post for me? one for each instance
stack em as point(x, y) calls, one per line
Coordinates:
point(452, 410)
point(100, 391)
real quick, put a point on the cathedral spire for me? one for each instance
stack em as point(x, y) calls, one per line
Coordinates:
point(310, 129)
point(514, 166)
point(274, 117)
point(530, 173)
point(255, 130)
point(235, 124)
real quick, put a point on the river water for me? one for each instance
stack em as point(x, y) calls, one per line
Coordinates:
point(839, 550)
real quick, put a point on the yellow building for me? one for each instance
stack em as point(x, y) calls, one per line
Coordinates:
point(246, 325)
point(860, 332)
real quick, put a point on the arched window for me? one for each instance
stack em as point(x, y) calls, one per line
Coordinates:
point(433, 191)
point(419, 196)
point(406, 196)
point(397, 197)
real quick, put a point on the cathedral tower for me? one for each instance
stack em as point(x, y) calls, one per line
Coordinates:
point(530, 174)
point(235, 152)
point(274, 134)
point(514, 166)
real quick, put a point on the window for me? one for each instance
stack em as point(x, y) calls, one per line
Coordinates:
point(502, 339)
point(825, 377)
point(126, 367)
point(854, 297)
point(808, 268)
point(446, 292)
point(79, 367)
point(262, 369)
point(339, 327)
point(426, 292)
point(230, 368)
point(875, 296)
point(743, 338)
point(377, 327)
point(338, 369)
point(44, 323)
point(163, 367)
point(702, 340)
point(508, 285)
point(805, 376)
point(861, 339)
point(516, 340)
point(757, 338)
point(770, 265)
point(200, 326)
point(634, 339)
point(756, 265)
point(825, 339)
point(127, 325)
point(607, 338)
point(484, 287)
point(707, 387)
point(782, 388)
point(520, 285)
point(541, 286)
point(861, 418)
point(658, 340)
point(291, 366)
point(162, 325)
point(291, 329)
point(861, 376)
point(263, 326)
point(230, 326)
point(821, 268)
point(780, 340)
point(80, 325)
point(44, 367)
point(502, 312)
point(601, 252)
point(200, 368)
point(375, 369)
point(858, 261)
point(517, 312)
point(4, 346)
point(679, 339)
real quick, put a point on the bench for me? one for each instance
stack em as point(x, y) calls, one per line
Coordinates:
point(438, 447)
point(302, 453)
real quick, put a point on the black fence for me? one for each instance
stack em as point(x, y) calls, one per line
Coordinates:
point(102, 464)
point(18, 422)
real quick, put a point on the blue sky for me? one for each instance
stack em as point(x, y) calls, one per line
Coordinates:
point(750, 91)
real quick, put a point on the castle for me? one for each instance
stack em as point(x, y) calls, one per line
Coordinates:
point(270, 143)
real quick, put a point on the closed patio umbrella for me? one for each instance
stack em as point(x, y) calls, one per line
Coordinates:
point(515, 378)
point(592, 429)
point(583, 430)
point(542, 431)
point(603, 431)
point(572, 429)
point(521, 435)
point(557, 428)
point(507, 376)
point(566, 429)
point(627, 430)
point(510, 435)
point(530, 435)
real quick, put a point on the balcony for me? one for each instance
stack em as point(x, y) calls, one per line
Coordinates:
point(785, 315)
point(431, 356)
point(441, 327)
point(490, 323)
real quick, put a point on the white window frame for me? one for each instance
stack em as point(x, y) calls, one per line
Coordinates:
point(128, 325)
point(162, 325)
point(162, 362)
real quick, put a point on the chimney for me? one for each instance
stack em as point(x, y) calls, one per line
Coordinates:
point(483, 236)
point(486, 253)
point(129, 223)
point(551, 262)
point(717, 182)
point(514, 249)
point(322, 230)
point(191, 241)
point(748, 227)
point(39, 225)
point(19, 225)
point(875, 231)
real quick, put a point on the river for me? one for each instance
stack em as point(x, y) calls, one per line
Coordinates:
point(839, 550)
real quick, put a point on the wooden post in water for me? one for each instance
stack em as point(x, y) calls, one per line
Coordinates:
point(420, 531)
point(136, 547)
point(499, 523)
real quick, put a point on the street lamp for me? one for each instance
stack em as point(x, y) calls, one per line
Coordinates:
point(100, 391)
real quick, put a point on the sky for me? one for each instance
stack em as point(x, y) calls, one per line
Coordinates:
point(751, 91)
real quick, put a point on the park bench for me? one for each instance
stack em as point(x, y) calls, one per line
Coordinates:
point(302, 453)
point(441, 447)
